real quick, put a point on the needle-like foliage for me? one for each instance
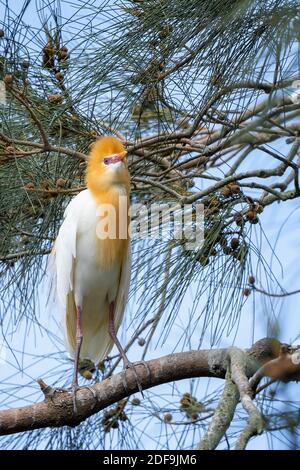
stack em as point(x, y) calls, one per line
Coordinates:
point(204, 96)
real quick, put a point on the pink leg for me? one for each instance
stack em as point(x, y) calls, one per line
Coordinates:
point(79, 338)
point(113, 334)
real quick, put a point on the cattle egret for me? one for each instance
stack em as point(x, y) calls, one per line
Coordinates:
point(93, 272)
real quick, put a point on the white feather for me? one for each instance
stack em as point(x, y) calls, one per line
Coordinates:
point(80, 281)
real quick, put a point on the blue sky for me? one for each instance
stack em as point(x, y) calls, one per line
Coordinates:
point(259, 314)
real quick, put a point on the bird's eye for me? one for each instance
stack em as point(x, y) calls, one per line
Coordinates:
point(106, 161)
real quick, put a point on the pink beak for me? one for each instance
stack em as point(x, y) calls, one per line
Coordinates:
point(118, 157)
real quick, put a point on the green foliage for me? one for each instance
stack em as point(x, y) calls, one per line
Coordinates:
point(198, 91)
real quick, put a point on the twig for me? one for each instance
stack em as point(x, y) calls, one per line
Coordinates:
point(22, 254)
point(51, 148)
point(56, 190)
point(23, 100)
point(270, 294)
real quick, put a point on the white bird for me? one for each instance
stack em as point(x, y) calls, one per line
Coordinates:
point(92, 272)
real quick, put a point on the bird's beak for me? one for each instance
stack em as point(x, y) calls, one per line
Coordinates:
point(117, 157)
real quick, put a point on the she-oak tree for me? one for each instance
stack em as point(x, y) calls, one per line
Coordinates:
point(204, 97)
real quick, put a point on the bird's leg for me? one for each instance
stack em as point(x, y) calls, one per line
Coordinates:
point(113, 335)
point(78, 346)
point(79, 338)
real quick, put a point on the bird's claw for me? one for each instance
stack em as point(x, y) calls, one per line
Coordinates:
point(145, 364)
point(73, 390)
point(130, 365)
point(93, 392)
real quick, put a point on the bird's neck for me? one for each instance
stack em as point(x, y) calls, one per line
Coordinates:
point(113, 202)
point(110, 194)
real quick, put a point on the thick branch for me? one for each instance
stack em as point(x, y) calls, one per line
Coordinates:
point(57, 408)
point(278, 361)
point(238, 364)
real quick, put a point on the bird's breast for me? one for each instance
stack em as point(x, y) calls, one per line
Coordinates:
point(95, 279)
point(98, 261)
point(112, 226)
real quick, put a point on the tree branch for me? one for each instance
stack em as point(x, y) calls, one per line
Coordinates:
point(57, 408)
point(222, 417)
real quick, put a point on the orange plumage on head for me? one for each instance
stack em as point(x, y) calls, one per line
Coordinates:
point(98, 177)
point(103, 147)
point(107, 184)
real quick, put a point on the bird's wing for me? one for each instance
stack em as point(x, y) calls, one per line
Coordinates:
point(64, 252)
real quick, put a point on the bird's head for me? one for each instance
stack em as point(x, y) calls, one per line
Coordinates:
point(107, 166)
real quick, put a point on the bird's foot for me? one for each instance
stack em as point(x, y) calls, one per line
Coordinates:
point(144, 363)
point(73, 389)
point(130, 365)
point(93, 392)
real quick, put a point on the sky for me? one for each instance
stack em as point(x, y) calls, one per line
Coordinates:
point(39, 354)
